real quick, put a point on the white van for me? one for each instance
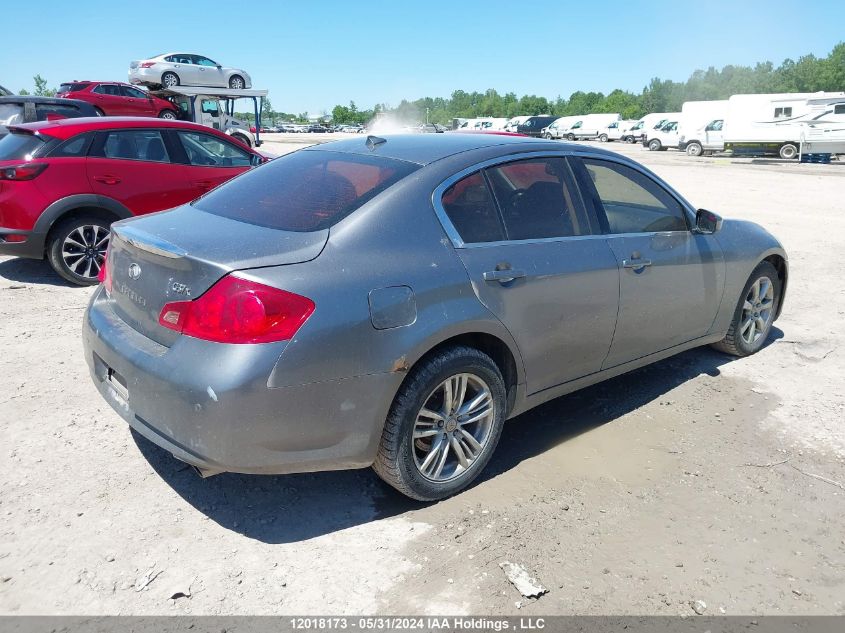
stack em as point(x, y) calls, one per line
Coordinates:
point(515, 122)
point(615, 131)
point(559, 127)
point(590, 126)
point(638, 131)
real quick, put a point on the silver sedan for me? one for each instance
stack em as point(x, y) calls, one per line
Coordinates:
point(186, 69)
point(392, 301)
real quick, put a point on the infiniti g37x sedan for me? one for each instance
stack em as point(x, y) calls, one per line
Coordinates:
point(392, 301)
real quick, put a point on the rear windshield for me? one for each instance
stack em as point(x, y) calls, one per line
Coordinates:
point(72, 87)
point(17, 146)
point(306, 190)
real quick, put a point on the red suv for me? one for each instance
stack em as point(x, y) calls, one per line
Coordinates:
point(62, 183)
point(112, 98)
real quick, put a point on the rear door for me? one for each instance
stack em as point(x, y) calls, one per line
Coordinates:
point(134, 167)
point(536, 261)
point(110, 100)
point(671, 279)
point(211, 161)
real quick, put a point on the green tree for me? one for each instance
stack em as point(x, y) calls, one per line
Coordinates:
point(41, 89)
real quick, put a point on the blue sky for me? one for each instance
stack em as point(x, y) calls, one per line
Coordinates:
point(375, 52)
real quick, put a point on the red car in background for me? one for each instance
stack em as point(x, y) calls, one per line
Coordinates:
point(62, 183)
point(113, 98)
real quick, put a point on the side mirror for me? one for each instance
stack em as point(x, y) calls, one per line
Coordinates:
point(219, 66)
point(707, 222)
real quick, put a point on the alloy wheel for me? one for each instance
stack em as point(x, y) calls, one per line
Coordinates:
point(237, 83)
point(757, 311)
point(84, 250)
point(453, 427)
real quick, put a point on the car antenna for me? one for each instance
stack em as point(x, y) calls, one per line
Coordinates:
point(375, 141)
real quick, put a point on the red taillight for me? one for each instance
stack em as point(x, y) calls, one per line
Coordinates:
point(236, 310)
point(103, 276)
point(26, 171)
point(147, 64)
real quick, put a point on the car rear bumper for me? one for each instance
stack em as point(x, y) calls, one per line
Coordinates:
point(142, 76)
point(210, 405)
point(32, 247)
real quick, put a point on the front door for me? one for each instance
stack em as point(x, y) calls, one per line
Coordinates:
point(211, 160)
point(671, 279)
point(535, 260)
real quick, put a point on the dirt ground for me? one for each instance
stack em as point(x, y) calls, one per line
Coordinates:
point(701, 478)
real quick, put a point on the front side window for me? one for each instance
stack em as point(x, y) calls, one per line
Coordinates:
point(535, 199)
point(633, 202)
point(211, 107)
point(472, 210)
point(146, 145)
point(128, 91)
point(208, 151)
point(308, 190)
point(205, 61)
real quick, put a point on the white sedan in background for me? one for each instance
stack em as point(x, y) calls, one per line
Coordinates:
point(186, 69)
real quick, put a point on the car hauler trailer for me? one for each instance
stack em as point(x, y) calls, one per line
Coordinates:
point(215, 107)
point(771, 124)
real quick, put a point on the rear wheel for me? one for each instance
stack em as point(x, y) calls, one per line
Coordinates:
point(654, 145)
point(167, 114)
point(754, 314)
point(237, 82)
point(788, 151)
point(694, 149)
point(170, 80)
point(443, 425)
point(603, 138)
point(77, 249)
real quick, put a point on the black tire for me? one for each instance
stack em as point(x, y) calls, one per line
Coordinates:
point(694, 149)
point(395, 462)
point(736, 344)
point(73, 268)
point(631, 140)
point(170, 115)
point(236, 82)
point(603, 138)
point(654, 145)
point(788, 151)
point(169, 80)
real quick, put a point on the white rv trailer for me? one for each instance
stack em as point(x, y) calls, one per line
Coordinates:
point(822, 138)
point(590, 126)
point(651, 121)
point(559, 127)
point(771, 124)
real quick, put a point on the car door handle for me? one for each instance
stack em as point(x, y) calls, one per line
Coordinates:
point(107, 180)
point(503, 276)
point(635, 263)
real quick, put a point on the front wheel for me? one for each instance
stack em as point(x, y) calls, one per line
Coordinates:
point(443, 425)
point(788, 151)
point(694, 149)
point(654, 145)
point(77, 249)
point(754, 314)
point(603, 138)
point(167, 114)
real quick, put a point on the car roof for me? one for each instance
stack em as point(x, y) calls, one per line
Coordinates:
point(428, 148)
point(65, 128)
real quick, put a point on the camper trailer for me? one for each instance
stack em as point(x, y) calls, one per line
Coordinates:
point(772, 124)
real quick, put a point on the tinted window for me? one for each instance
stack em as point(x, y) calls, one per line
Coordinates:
point(144, 145)
point(472, 210)
point(209, 151)
point(205, 61)
point(304, 191)
point(107, 89)
point(18, 146)
point(633, 202)
point(128, 91)
point(72, 87)
point(839, 109)
point(536, 200)
point(76, 146)
point(48, 111)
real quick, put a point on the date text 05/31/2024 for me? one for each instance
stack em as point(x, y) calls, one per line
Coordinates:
point(417, 624)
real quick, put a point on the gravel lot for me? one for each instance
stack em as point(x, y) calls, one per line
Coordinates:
point(701, 478)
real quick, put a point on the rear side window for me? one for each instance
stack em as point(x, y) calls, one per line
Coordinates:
point(146, 145)
point(74, 147)
point(108, 89)
point(17, 146)
point(536, 200)
point(472, 210)
point(11, 113)
point(309, 190)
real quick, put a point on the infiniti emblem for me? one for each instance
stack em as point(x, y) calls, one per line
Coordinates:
point(134, 271)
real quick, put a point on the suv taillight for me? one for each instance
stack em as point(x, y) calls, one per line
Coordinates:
point(26, 171)
point(236, 310)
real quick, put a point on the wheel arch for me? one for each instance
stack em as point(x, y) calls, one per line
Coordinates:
point(782, 267)
point(75, 206)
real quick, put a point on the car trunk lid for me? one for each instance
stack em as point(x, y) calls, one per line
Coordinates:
point(158, 259)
